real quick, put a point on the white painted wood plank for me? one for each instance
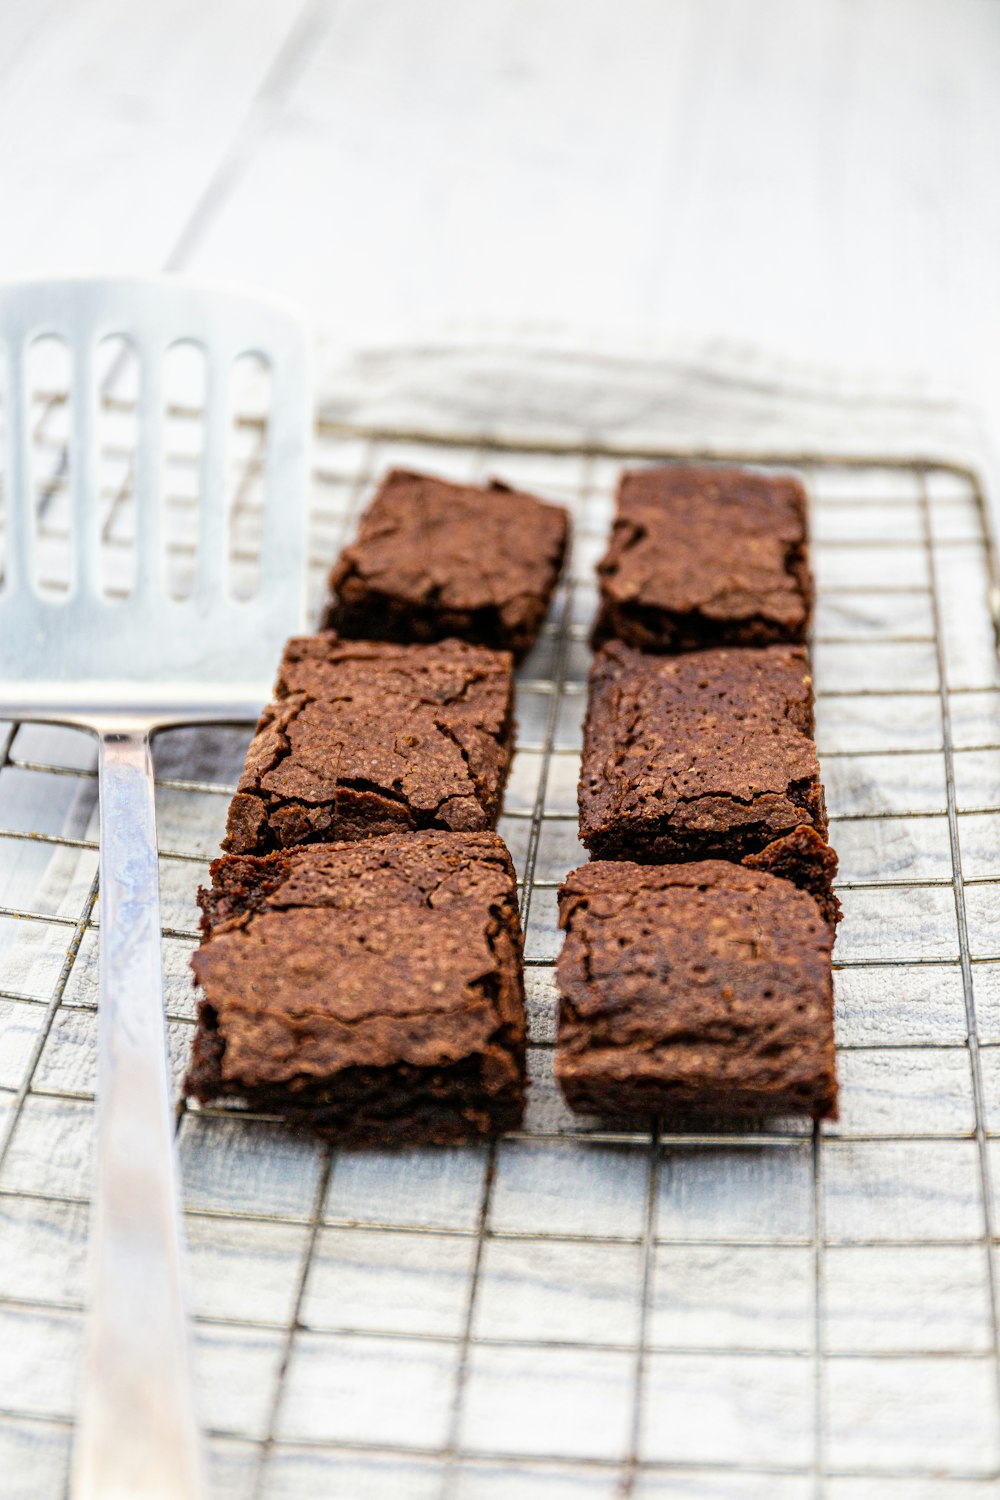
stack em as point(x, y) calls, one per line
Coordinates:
point(114, 120)
point(810, 180)
point(500, 163)
point(23, 25)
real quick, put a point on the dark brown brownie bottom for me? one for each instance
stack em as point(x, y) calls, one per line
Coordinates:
point(372, 991)
point(694, 990)
point(401, 1106)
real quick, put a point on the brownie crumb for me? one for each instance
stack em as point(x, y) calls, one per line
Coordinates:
point(808, 862)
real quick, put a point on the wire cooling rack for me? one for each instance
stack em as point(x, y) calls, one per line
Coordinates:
point(572, 1314)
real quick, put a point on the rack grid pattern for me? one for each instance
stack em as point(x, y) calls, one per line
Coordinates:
point(574, 1313)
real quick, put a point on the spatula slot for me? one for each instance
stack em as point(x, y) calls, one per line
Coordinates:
point(116, 439)
point(185, 391)
point(50, 462)
point(248, 428)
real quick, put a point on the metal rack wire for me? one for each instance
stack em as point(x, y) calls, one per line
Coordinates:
point(574, 1312)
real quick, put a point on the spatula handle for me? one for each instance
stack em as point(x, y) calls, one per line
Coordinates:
point(137, 1438)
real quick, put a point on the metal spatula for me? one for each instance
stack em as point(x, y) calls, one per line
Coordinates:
point(122, 667)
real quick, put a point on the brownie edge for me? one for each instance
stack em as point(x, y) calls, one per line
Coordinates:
point(372, 991)
point(696, 989)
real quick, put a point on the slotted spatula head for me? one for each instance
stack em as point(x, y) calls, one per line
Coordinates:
point(76, 653)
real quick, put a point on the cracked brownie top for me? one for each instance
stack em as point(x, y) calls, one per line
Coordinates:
point(365, 738)
point(705, 555)
point(374, 986)
point(434, 559)
point(706, 755)
point(695, 987)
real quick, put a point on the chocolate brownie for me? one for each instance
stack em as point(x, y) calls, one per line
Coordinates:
point(366, 739)
point(371, 990)
point(703, 756)
point(702, 555)
point(702, 988)
point(434, 559)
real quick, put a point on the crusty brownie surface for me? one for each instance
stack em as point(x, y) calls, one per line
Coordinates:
point(434, 559)
point(701, 555)
point(702, 988)
point(705, 755)
point(371, 990)
point(367, 738)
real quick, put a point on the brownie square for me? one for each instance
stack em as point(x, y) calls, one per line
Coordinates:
point(366, 738)
point(694, 989)
point(708, 755)
point(702, 555)
point(371, 990)
point(434, 559)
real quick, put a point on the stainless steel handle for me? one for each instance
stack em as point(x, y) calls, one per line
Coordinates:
point(137, 1436)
